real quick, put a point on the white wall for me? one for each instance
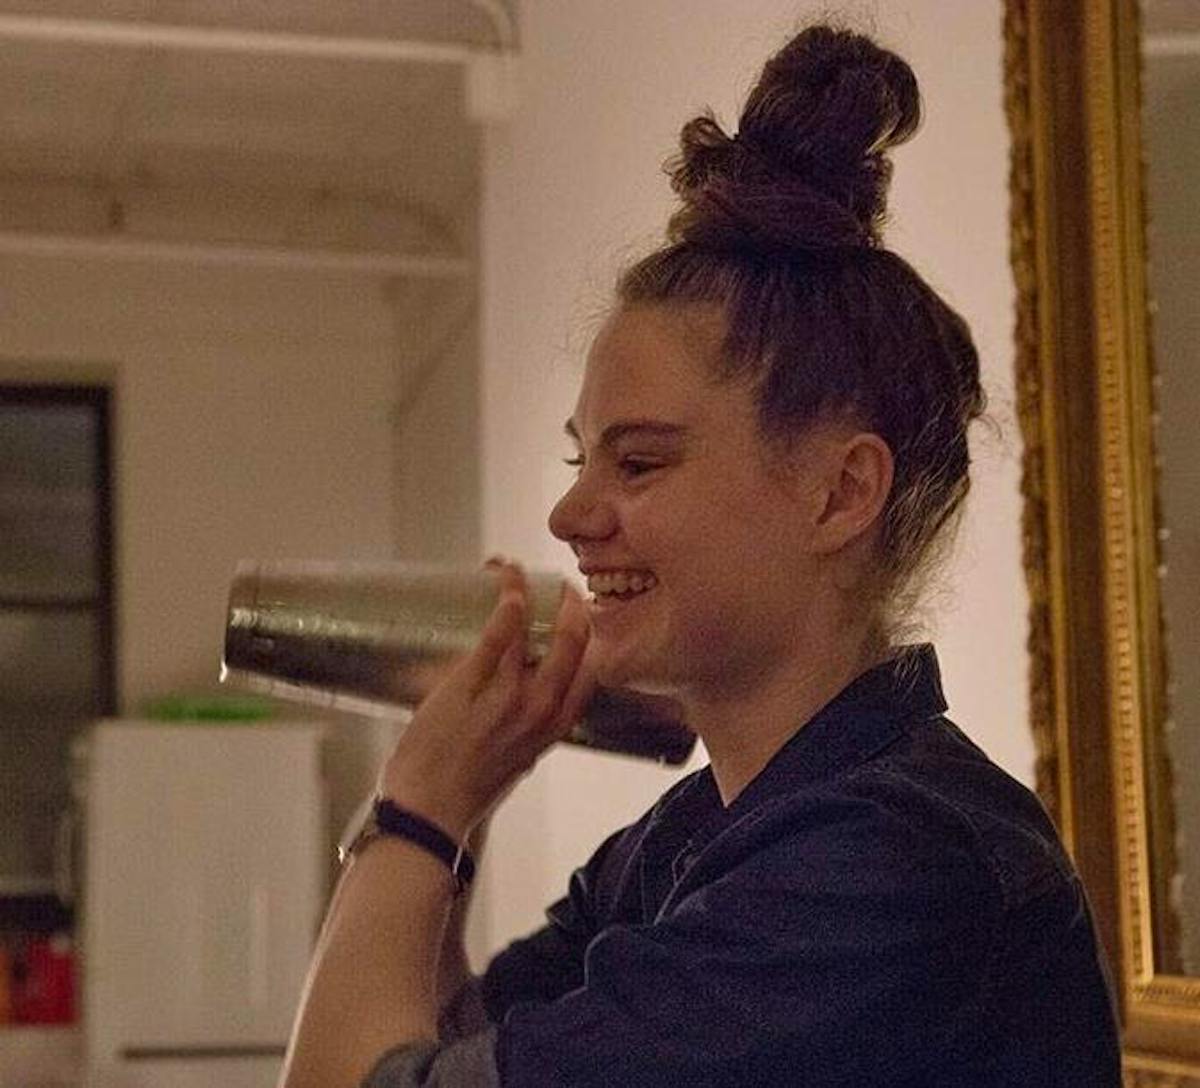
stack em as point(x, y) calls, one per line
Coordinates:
point(252, 419)
point(258, 414)
point(436, 492)
point(573, 189)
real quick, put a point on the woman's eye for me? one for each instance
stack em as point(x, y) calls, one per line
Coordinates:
point(633, 466)
point(627, 466)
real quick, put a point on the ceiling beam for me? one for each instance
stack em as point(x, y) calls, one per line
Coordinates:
point(124, 248)
point(143, 35)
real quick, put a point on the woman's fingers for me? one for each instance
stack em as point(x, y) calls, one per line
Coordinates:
point(583, 680)
point(579, 694)
point(509, 575)
point(486, 726)
point(504, 633)
point(555, 685)
point(552, 692)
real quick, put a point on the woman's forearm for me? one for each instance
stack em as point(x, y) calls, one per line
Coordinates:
point(378, 977)
point(454, 968)
point(374, 983)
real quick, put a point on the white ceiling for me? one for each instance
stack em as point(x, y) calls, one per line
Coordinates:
point(221, 140)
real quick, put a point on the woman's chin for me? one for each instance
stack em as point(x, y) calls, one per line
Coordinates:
point(611, 675)
point(616, 670)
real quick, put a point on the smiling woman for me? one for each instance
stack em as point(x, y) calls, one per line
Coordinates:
point(772, 448)
point(688, 495)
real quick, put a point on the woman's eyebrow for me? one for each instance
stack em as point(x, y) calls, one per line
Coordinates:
point(625, 428)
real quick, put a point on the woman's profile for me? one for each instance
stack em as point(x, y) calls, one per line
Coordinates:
point(771, 453)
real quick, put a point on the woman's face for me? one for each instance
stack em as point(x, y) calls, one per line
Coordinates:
point(693, 536)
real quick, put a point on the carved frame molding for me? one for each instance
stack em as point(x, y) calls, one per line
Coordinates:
point(1085, 402)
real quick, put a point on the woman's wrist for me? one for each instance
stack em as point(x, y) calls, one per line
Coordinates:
point(429, 804)
point(393, 821)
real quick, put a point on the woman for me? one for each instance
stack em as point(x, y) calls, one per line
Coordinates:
point(772, 440)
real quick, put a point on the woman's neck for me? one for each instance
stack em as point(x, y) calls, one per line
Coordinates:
point(742, 729)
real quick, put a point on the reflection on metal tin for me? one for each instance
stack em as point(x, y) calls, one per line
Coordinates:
point(374, 637)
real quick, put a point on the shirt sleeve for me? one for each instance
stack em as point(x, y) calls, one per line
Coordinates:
point(540, 967)
point(467, 1063)
point(549, 962)
point(834, 944)
point(464, 1013)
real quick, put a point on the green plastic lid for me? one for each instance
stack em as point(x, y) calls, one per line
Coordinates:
point(210, 708)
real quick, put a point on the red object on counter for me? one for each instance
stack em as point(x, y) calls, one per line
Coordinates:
point(6, 985)
point(46, 993)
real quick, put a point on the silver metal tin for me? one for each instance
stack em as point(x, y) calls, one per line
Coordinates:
point(372, 637)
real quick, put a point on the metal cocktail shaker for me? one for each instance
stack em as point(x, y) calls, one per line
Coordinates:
point(371, 637)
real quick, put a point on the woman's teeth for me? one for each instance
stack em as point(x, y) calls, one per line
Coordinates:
point(620, 583)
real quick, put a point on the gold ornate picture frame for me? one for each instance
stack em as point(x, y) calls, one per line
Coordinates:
point(1090, 528)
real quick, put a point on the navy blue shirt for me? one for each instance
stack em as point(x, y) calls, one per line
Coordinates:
point(882, 905)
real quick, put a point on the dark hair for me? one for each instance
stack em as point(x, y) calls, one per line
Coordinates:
point(780, 228)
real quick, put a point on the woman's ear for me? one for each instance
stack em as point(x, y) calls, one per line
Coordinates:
point(857, 477)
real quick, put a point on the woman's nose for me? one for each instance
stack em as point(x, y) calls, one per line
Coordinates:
point(581, 514)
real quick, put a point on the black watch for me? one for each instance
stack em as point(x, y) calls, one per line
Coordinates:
point(379, 816)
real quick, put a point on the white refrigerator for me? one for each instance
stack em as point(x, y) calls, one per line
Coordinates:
point(205, 876)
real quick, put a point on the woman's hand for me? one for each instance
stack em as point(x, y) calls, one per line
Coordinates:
point(486, 723)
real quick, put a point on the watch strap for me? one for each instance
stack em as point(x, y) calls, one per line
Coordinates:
point(391, 819)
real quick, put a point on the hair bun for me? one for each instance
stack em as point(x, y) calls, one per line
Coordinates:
point(809, 167)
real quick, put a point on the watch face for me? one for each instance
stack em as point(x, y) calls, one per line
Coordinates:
point(359, 828)
point(360, 840)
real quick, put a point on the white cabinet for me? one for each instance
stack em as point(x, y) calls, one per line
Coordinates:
point(204, 885)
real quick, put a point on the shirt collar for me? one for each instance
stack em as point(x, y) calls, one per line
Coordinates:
point(867, 715)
